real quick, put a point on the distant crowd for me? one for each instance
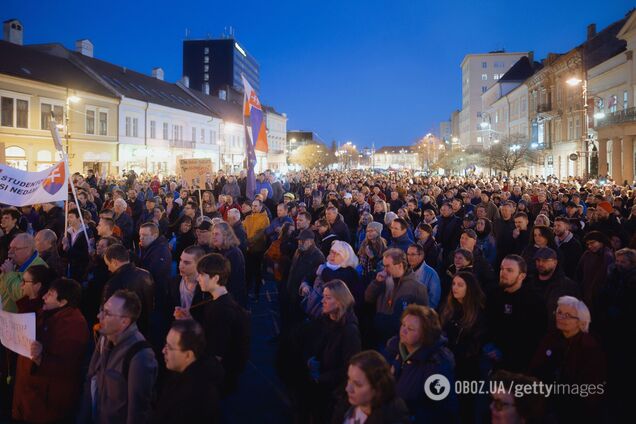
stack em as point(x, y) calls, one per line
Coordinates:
point(383, 280)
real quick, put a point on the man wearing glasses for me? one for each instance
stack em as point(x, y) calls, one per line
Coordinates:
point(22, 255)
point(123, 369)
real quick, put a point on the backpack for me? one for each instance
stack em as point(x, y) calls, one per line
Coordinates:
point(130, 354)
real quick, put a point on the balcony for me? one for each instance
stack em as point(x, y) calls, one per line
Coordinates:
point(618, 117)
point(544, 107)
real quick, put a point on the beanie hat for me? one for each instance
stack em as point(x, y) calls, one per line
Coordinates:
point(606, 206)
point(375, 226)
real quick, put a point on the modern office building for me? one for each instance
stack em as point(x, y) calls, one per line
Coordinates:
point(213, 65)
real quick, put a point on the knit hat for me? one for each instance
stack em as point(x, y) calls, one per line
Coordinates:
point(375, 226)
point(606, 206)
point(596, 236)
point(389, 217)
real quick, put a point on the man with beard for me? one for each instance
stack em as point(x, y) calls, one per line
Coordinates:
point(551, 282)
point(350, 214)
point(569, 247)
point(521, 233)
point(516, 317)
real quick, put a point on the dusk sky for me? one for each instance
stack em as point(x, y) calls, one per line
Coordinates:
point(383, 72)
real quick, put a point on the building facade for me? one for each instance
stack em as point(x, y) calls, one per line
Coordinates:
point(479, 73)
point(397, 157)
point(276, 139)
point(213, 65)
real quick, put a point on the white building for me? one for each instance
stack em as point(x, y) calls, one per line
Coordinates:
point(479, 73)
point(396, 157)
point(276, 139)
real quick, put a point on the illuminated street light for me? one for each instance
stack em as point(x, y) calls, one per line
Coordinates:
point(574, 81)
point(599, 115)
point(484, 125)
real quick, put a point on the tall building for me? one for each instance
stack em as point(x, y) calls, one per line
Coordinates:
point(445, 130)
point(479, 73)
point(213, 65)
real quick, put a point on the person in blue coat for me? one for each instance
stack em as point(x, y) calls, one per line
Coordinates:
point(417, 353)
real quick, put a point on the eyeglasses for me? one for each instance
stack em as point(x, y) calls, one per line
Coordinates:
point(18, 247)
point(28, 281)
point(500, 405)
point(107, 313)
point(564, 315)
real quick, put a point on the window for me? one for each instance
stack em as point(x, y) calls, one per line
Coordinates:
point(206, 68)
point(153, 129)
point(484, 88)
point(479, 139)
point(206, 50)
point(212, 137)
point(484, 65)
point(206, 59)
point(165, 130)
point(21, 112)
point(194, 134)
point(613, 100)
point(577, 127)
point(478, 114)
point(625, 99)
point(90, 121)
point(206, 77)
point(484, 77)
point(135, 128)
point(202, 135)
point(103, 123)
point(45, 114)
point(7, 111)
point(570, 129)
point(557, 130)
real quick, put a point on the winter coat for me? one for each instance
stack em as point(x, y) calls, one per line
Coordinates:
point(551, 290)
point(128, 276)
point(49, 392)
point(570, 250)
point(119, 399)
point(255, 225)
point(11, 283)
point(412, 372)
point(429, 277)
point(157, 260)
point(303, 268)
point(403, 242)
point(191, 396)
point(236, 283)
point(592, 274)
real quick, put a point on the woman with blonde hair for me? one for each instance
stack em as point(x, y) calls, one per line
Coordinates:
point(225, 242)
point(333, 339)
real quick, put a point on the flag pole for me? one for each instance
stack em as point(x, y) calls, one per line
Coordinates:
point(58, 145)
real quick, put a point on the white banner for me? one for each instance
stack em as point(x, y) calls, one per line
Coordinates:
point(17, 331)
point(22, 188)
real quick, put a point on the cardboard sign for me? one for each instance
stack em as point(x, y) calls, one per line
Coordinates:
point(195, 171)
point(17, 331)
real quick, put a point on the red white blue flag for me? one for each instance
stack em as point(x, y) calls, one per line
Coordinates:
point(255, 134)
point(22, 188)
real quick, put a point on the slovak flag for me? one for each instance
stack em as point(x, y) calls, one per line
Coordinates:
point(56, 179)
point(254, 116)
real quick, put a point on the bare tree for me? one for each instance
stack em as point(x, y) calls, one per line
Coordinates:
point(510, 153)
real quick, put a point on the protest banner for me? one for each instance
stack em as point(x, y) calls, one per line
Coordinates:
point(22, 188)
point(195, 171)
point(17, 331)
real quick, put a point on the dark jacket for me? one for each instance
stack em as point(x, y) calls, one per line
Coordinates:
point(412, 372)
point(392, 412)
point(5, 241)
point(53, 260)
point(340, 229)
point(516, 322)
point(350, 278)
point(119, 399)
point(503, 238)
point(191, 396)
point(552, 289)
point(227, 335)
point(128, 276)
point(448, 233)
point(78, 256)
point(592, 274)
point(236, 283)
point(466, 344)
point(575, 361)
point(403, 242)
point(571, 252)
point(351, 216)
point(53, 220)
point(157, 260)
point(125, 224)
point(303, 268)
point(49, 392)
point(240, 233)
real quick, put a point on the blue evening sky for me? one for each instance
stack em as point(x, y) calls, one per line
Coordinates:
point(383, 72)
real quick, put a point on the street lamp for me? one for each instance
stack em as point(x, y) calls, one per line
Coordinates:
point(573, 82)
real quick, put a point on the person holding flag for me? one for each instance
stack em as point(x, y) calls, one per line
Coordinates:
point(255, 135)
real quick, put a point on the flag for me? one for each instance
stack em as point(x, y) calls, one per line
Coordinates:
point(255, 135)
point(22, 188)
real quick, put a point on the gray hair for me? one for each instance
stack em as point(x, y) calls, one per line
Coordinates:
point(628, 253)
point(582, 312)
point(121, 202)
point(235, 213)
point(48, 235)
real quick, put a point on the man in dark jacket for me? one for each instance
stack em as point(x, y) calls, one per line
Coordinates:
point(516, 317)
point(155, 257)
point(234, 219)
point(399, 235)
point(503, 228)
point(123, 221)
point(337, 225)
point(52, 217)
point(9, 224)
point(127, 276)
point(569, 247)
point(551, 282)
point(46, 245)
point(123, 369)
point(304, 265)
point(449, 229)
point(191, 391)
point(349, 213)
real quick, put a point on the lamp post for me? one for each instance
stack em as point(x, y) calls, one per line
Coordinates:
point(573, 82)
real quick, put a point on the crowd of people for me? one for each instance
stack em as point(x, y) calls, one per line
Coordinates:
point(384, 280)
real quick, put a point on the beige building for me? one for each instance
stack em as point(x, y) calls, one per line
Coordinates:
point(479, 73)
point(35, 86)
point(397, 157)
point(612, 88)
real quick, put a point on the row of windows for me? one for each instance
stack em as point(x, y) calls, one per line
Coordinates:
point(14, 112)
point(484, 77)
point(484, 65)
point(177, 133)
